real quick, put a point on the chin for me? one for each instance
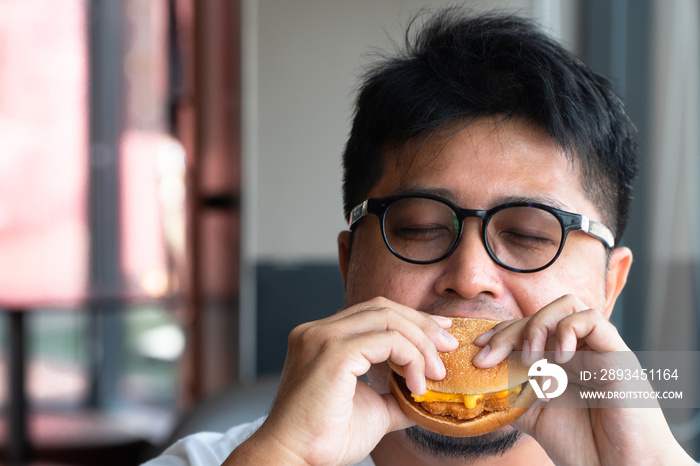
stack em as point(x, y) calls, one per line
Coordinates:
point(495, 443)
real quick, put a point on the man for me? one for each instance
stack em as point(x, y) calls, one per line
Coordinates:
point(481, 114)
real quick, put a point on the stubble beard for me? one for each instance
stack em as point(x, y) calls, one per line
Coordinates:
point(467, 449)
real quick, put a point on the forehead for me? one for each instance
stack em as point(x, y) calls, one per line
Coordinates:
point(478, 164)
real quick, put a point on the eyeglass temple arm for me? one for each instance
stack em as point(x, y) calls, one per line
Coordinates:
point(357, 213)
point(598, 230)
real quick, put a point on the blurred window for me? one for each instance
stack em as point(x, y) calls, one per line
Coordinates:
point(45, 174)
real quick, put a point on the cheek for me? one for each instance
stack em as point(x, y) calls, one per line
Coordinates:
point(383, 275)
point(378, 377)
point(533, 294)
point(583, 274)
point(585, 280)
point(374, 271)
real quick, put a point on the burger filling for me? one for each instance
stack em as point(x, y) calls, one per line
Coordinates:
point(465, 407)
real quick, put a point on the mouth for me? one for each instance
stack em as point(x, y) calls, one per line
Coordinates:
point(480, 308)
point(469, 401)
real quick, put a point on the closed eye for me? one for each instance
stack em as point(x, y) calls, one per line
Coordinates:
point(527, 239)
point(423, 232)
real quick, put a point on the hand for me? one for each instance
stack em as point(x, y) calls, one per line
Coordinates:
point(323, 413)
point(571, 430)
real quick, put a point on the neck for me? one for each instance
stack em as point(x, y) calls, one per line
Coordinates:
point(396, 450)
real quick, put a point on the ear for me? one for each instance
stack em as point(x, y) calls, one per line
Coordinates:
point(344, 243)
point(618, 268)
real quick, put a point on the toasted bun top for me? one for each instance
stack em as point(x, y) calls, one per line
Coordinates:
point(462, 376)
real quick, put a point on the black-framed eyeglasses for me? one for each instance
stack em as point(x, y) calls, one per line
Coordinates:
point(521, 236)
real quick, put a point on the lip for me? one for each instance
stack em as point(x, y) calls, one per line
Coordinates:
point(480, 309)
point(472, 315)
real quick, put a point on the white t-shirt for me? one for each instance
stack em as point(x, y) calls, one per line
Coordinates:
point(210, 448)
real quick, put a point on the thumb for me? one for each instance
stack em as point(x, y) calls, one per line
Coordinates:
point(527, 423)
point(397, 419)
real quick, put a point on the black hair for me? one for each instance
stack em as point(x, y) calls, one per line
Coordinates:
point(461, 67)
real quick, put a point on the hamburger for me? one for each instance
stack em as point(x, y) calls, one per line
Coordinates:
point(469, 401)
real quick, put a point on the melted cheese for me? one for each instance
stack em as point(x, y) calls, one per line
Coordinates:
point(469, 401)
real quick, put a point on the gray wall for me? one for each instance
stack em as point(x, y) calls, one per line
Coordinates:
point(303, 62)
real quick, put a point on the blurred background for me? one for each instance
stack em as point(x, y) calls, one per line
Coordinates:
point(170, 199)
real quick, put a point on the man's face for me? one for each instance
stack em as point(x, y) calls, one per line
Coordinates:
point(478, 167)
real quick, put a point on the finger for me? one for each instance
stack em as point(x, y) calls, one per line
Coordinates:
point(589, 327)
point(366, 349)
point(499, 342)
point(398, 420)
point(428, 339)
point(430, 324)
point(543, 325)
point(338, 343)
point(484, 338)
point(423, 330)
point(442, 321)
point(529, 334)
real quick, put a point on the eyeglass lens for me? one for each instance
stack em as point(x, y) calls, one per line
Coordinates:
point(424, 230)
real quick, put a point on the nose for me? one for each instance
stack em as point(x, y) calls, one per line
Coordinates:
point(469, 271)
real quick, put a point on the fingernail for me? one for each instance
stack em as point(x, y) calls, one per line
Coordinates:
point(484, 337)
point(481, 355)
point(420, 389)
point(441, 366)
point(526, 351)
point(447, 336)
point(558, 353)
point(442, 321)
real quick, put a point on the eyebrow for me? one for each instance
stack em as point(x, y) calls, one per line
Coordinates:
point(452, 197)
point(536, 198)
point(441, 192)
